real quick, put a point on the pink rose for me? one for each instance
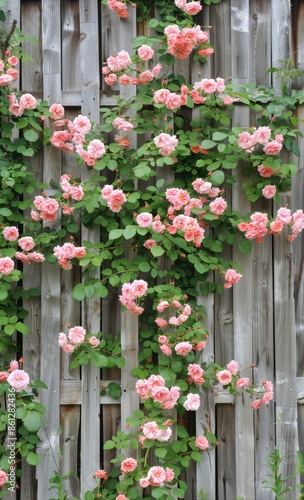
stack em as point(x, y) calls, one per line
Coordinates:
point(26, 243)
point(3, 478)
point(224, 377)
point(57, 111)
point(272, 148)
point(145, 52)
point(144, 219)
point(192, 8)
point(28, 101)
point(269, 191)
point(202, 442)
point(96, 149)
point(157, 476)
point(242, 382)
point(6, 265)
point(128, 465)
point(233, 367)
point(192, 402)
point(77, 335)
point(183, 348)
point(18, 380)
point(10, 233)
point(218, 206)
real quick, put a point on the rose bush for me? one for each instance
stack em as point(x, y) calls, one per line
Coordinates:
point(189, 222)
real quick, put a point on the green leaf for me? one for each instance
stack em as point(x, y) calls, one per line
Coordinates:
point(6, 212)
point(196, 456)
point(157, 251)
point(201, 268)
point(167, 59)
point(101, 290)
point(20, 327)
point(129, 232)
point(159, 493)
point(160, 452)
point(208, 144)
point(115, 233)
point(109, 445)
point(78, 293)
point(32, 458)
point(144, 267)
point(100, 360)
point(31, 135)
point(245, 246)
point(219, 136)
point(32, 421)
point(217, 177)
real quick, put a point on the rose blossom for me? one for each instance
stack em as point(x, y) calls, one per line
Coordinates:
point(28, 101)
point(145, 52)
point(3, 478)
point(26, 243)
point(192, 402)
point(192, 8)
point(183, 348)
point(242, 382)
point(6, 265)
point(128, 465)
point(269, 191)
point(157, 476)
point(18, 380)
point(202, 442)
point(77, 335)
point(233, 367)
point(144, 219)
point(224, 377)
point(57, 111)
point(10, 233)
point(218, 206)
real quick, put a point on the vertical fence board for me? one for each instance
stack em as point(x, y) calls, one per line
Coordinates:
point(243, 293)
point(50, 278)
point(90, 408)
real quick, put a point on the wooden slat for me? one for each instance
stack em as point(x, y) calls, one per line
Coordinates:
point(50, 284)
point(70, 46)
point(280, 33)
point(243, 316)
point(32, 79)
point(90, 408)
point(70, 315)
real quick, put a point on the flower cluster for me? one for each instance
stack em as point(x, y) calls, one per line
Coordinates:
point(130, 293)
point(75, 338)
point(267, 388)
point(259, 224)
point(190, 8)
point(26, 243)
point(155, 387)
point(152, 430)
point(8, 72)
point(181, 42)
point(66, 253)
point(114, 197)
point(119, 7)
point(71, 136)
point(166, 143)
point(157, 476)
point(191, 227)
point(119, 68)
point(260, 137)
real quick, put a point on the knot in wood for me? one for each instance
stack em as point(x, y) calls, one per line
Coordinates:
point(226, 318)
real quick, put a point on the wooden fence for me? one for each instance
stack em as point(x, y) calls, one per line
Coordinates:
point(261, 321)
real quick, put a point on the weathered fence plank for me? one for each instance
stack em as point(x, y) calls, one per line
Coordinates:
point(90, 408)
point(50, 278)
